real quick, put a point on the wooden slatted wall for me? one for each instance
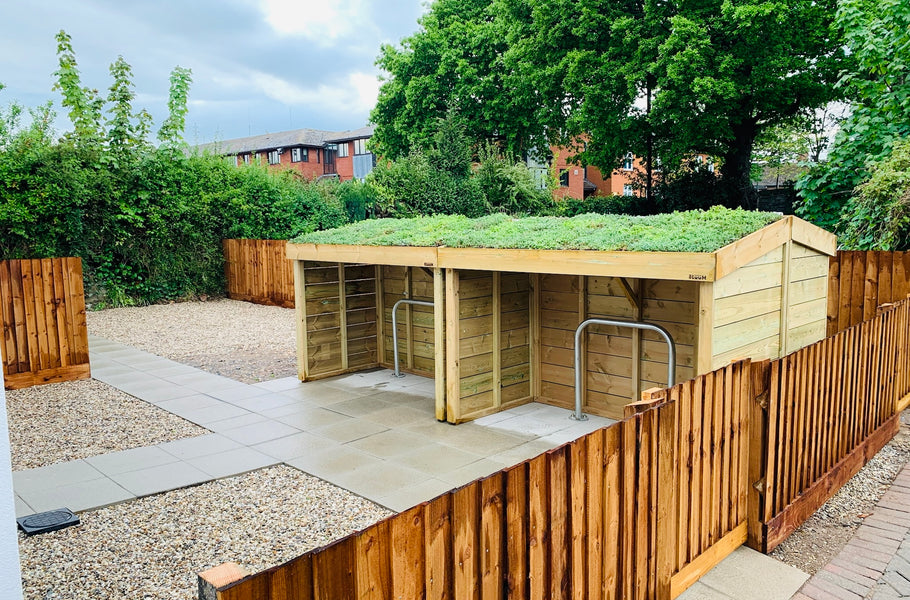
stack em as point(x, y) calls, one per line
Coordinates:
point(598, 518)
point(829, 408)
point(259, 271)
point(416, 341)
point(859, 282)
point(42, 309)
point(493, 342)
point(340, 317)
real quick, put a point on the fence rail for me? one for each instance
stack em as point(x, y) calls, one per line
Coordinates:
point(258, 271)
point(42, 309)
point(859, 282)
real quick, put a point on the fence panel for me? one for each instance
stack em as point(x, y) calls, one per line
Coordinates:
point(861, 281)
point(42, 309)
point(258, 271)
point(830, 407)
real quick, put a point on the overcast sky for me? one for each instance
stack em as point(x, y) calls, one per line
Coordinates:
point(258, 65)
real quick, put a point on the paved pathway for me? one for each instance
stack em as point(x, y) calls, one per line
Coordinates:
point(371, 433)
point(875, 563)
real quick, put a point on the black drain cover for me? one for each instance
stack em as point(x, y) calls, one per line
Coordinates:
point(51, 520)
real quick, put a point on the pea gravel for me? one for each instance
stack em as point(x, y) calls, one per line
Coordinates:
point(77, 419)
point(243, 341)
point(152, 548)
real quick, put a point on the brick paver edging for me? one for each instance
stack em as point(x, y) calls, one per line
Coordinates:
point(875, 563)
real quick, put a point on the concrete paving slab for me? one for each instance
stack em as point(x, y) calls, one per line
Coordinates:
point(398, 416)
point(238, 392)
point(408, 497)
point(79, 496)
point(295, 446)
point(131, 460)
point(470, 472)
point(42, 478)
point(260, 402)
point(309, 418)
point(201, 445)
point(213, 414)
point(179, 406)
point(257, 433)
point(515, 455)
point(203, 382)
point(155, 480)
point(22, 508)
point(382, 479)
point(328, 462)
point(157, 391)
point(359, 407)
point(316, 393)
point(223, 425)
point(436, 458)
point(233, 462)
point(279, 385)
point(700, 591)
point(392, 442)
point(749, 575)
point(349, 431)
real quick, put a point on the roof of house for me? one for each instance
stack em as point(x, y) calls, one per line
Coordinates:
point(354, 134)
point(284, 139)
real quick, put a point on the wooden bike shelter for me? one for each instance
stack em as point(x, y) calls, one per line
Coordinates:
point(500, 332)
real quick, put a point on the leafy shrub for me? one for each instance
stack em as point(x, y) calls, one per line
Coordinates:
point(878, 216)
point(602, 205)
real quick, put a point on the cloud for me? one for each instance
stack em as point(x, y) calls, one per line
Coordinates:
point(320, 21)
point(354, 93)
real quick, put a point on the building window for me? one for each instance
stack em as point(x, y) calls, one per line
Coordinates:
point(627, 190)
point(246, 159)
point(300, 155)
point(710, 166)
point(256, 158)
point(342, 150)
point(231, 159)
point(627, 162)
point(274, 157)
point(564, 178)
point(360, 147)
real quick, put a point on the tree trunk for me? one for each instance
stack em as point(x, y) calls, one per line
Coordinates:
point(737, 167)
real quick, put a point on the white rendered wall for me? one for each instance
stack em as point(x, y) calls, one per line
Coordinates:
point(10, 576)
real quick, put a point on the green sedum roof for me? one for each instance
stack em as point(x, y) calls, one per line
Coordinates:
point(690, 231)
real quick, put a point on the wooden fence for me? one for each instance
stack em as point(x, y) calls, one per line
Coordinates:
point(827, 409)
point(636, 510)
point(643, 508)
point(860, 282)
point(42, 309)
point(258, 271)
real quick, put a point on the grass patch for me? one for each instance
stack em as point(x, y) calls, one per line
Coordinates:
point(690, 231)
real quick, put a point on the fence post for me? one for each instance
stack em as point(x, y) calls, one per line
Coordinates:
point(667, 500)
point(650, 398)
point(758, 440)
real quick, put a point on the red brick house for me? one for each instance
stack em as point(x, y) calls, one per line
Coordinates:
point(311, 152)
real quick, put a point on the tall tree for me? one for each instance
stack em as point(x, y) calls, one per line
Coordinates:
point(453, 63)
point(656, 78)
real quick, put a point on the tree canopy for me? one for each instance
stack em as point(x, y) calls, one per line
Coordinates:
point(651, 77)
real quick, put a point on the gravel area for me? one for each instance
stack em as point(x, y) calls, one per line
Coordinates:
point(825, 533)
point(243, 341)
point(77, 419)
point(152, 548)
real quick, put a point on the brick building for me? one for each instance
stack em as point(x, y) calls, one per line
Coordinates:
point(312, 152)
